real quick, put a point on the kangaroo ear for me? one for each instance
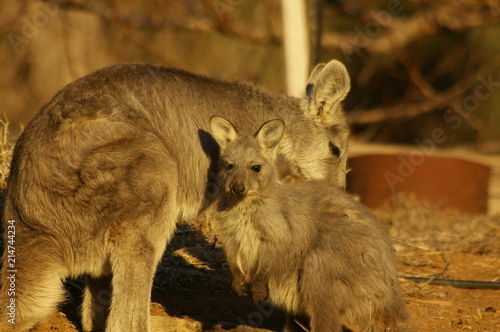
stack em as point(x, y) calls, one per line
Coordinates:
point(328, 85)
point(310, 82)
point(270, 134)
point(223, 131)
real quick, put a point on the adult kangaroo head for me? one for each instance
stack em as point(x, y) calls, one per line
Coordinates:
point(317, 147)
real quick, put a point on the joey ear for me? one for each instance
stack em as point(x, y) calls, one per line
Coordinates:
point(223, 131)
point(327, 87)
point(270, 134)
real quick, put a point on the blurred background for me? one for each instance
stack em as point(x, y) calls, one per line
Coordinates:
point(425, 73)
point(424, 110)
point(415, 65)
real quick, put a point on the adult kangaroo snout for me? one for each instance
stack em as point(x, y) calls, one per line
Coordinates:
point(106, 169)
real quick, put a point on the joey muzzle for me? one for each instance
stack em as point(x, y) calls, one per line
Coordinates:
point(238, 189)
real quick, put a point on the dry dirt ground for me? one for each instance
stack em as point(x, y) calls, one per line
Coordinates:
point(192, 284)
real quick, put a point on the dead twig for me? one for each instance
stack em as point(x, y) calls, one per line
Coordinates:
point(406, 111)
point(400, 32)
point(467, 284)
point(443, 303)
point(188, 257)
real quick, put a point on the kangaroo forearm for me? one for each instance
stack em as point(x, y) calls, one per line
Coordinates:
point(259, 287)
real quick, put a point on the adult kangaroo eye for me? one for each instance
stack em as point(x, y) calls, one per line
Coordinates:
point(256, 168)
point(229, 167)
point(335, 149)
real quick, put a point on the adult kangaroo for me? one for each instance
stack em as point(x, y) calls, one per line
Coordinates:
point(102, 174)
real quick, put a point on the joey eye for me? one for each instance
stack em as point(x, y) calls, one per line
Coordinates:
point(256, 168)
point(334, 149)
point(229, 167)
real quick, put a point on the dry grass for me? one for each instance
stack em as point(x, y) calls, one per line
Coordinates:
point(6, 149)
point(447, 244)
point(421, 226)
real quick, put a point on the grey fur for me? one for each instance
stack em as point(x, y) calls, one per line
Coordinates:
point(106, 169)
point(309, 247)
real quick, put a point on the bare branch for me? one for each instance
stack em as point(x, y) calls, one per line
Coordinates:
point(410, 110)
point(455, 16)
point(417, 78)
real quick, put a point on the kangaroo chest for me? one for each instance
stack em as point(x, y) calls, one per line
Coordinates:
point(248, 250)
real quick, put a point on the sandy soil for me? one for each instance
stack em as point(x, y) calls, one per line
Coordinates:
point(192, 284)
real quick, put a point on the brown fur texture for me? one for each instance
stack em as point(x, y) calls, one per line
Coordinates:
point(106, 169)
point(309, 247)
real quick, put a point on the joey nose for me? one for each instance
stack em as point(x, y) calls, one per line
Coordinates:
point(238, 188)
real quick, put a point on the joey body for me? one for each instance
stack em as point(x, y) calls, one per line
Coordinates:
point(308, 248)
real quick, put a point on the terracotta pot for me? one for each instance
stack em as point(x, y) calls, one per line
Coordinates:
point(442, 182)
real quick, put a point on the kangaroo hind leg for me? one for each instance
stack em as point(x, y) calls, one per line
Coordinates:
point(31, 290)
point(133, 259)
